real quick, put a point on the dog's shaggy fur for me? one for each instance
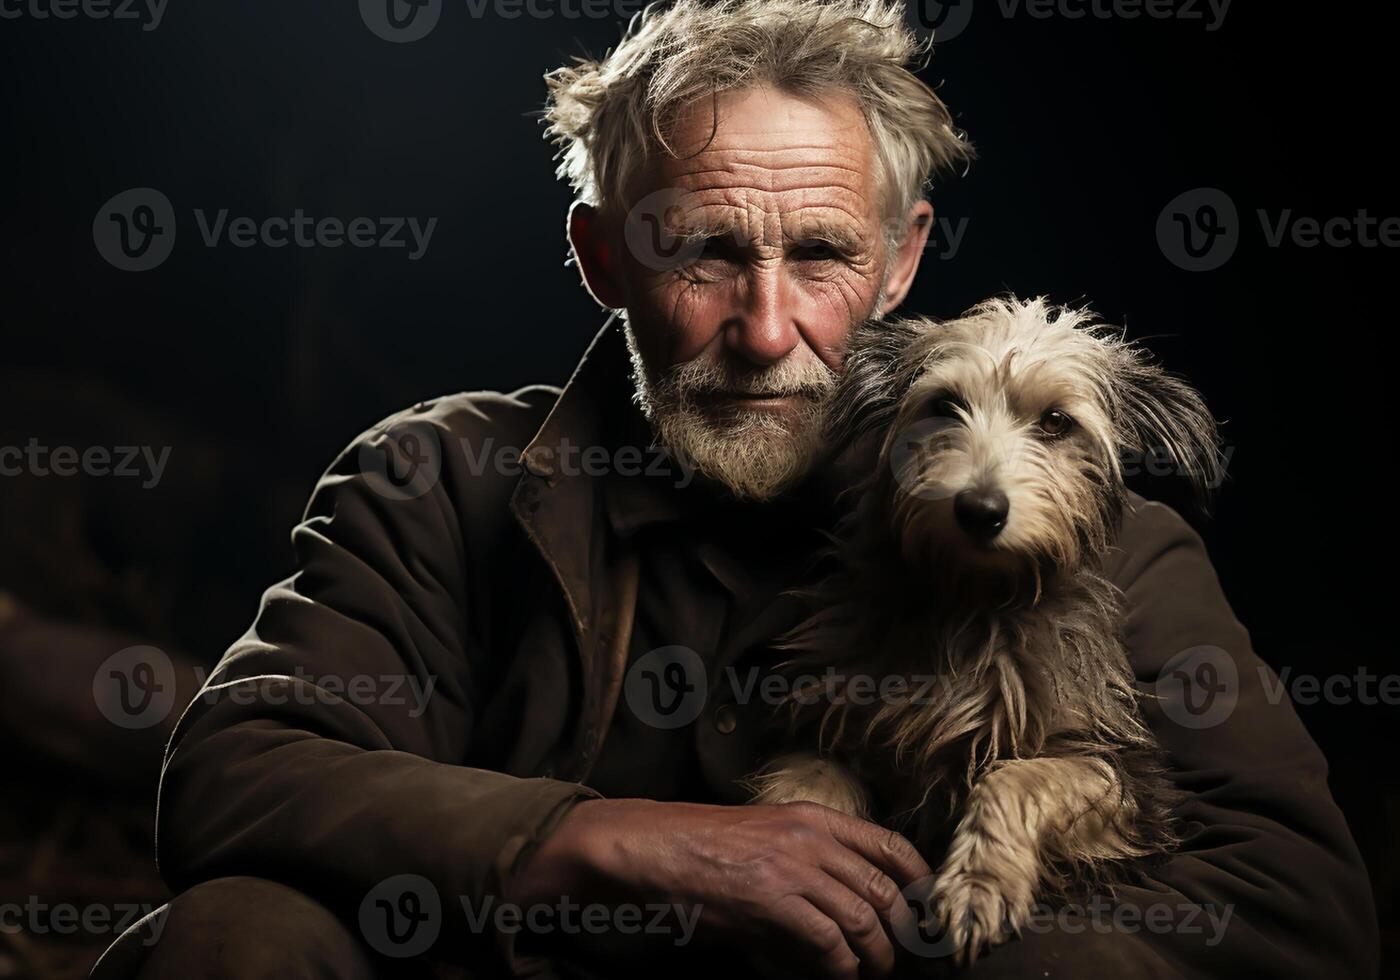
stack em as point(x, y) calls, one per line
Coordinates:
point(969, 567)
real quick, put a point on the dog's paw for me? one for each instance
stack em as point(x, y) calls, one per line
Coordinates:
point(979, 907)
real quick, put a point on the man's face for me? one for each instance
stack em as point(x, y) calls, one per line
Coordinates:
point(737, 350)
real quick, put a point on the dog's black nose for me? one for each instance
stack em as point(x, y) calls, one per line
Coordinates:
point(981, 513)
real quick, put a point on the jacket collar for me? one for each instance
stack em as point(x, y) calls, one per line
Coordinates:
point(555, 500)
point(576, 514)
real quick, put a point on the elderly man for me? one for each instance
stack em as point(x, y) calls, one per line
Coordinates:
point(546, 580)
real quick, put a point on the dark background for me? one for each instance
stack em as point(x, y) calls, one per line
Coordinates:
point(257, 365)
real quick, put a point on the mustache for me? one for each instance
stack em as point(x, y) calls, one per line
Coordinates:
point(792, 377)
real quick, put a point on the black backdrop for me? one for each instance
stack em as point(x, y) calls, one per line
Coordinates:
point(256, 365)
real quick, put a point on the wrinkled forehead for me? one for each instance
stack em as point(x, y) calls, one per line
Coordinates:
point(1030, 364)
point(762, 162)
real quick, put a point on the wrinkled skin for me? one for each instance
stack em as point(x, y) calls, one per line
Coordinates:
point(792, 184)
point(789, 186)
point(800, 888)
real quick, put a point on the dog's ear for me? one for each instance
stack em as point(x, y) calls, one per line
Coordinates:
point(1157, 414)
point(882, 362)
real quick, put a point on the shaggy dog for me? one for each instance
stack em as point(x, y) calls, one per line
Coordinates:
point(968, 572)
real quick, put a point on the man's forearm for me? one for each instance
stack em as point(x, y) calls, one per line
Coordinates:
point(338, 819)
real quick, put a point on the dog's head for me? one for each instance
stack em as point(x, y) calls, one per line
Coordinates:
point(1005, 431)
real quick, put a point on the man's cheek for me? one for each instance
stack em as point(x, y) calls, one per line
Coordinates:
point(668, 319)
point(677, 318)
point(843, 301)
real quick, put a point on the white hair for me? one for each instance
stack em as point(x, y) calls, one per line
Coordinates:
point(608, 114)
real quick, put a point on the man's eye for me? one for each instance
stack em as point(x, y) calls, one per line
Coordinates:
point(714, 247)
point(815, 252)
point(1056, 423)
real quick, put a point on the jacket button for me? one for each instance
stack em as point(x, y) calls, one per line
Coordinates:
point(726, 720)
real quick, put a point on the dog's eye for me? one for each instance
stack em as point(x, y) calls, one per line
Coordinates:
point(1055, 423)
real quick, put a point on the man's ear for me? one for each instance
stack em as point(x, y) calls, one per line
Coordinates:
point(595, 241)
point(911, 250)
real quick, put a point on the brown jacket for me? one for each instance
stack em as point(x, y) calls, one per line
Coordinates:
point(509, 592)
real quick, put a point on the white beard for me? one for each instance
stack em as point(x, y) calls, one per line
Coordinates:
point(755, 455)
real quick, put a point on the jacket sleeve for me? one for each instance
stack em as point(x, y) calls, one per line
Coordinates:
point(1267, 882)
point(323, 749)
point(1265, 843)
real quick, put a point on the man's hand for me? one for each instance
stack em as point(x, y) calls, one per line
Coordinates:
point(799, 883)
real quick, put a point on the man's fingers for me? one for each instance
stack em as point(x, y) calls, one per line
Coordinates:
point(865, 879)
point(872, 884)
point(859, 921)
point(816, 939)
point(883, 848)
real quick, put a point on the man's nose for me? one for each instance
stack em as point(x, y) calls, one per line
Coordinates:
point(763, 331)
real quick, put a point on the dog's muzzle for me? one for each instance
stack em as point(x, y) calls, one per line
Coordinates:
point(981, 513)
